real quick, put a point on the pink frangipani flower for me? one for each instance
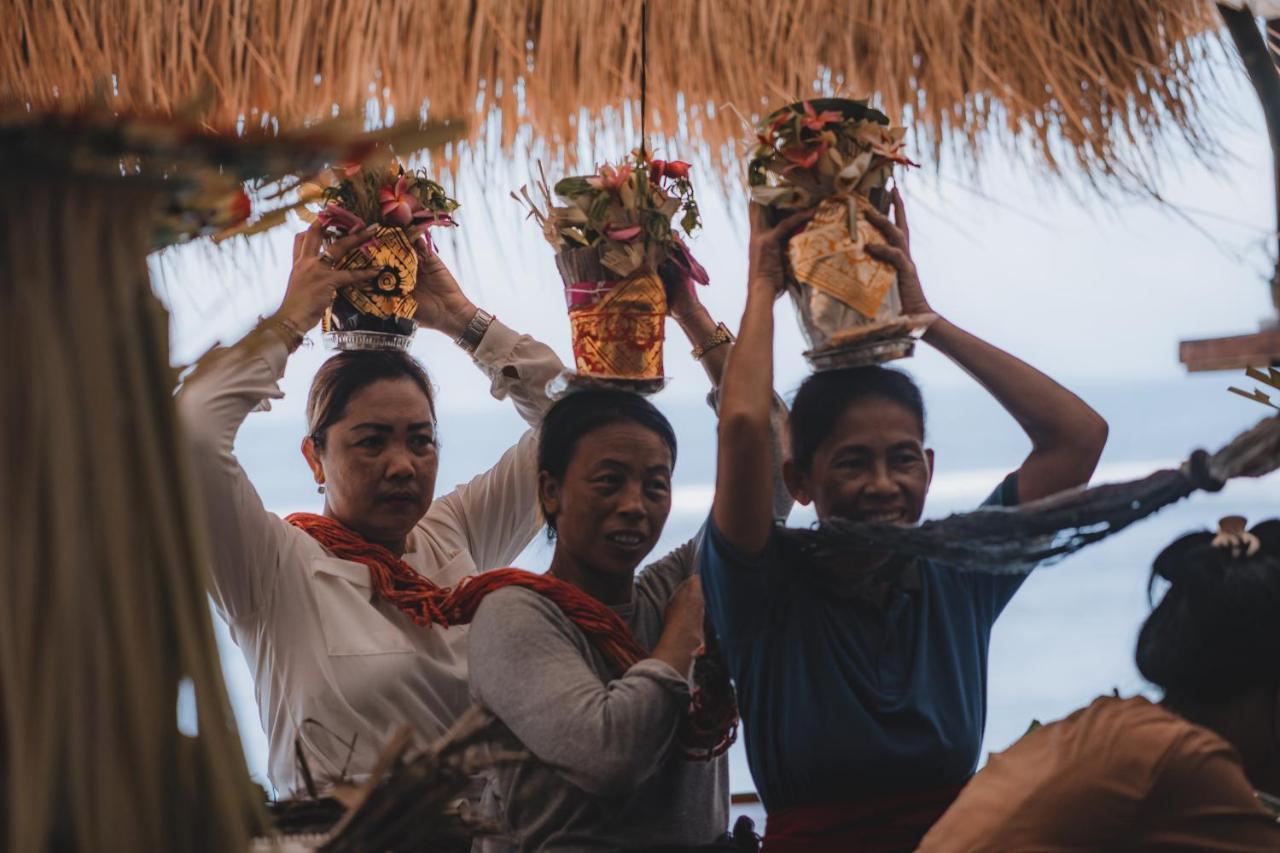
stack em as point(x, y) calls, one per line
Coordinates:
point(398, 204)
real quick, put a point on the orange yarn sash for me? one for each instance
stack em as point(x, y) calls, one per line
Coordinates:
point(712, 723)
point(427, 604)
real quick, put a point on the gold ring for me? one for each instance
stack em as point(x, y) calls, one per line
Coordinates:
point(327, 260)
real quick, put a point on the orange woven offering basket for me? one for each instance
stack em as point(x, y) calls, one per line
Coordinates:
point(403, 205)
point(617, 324)
point(619, 259)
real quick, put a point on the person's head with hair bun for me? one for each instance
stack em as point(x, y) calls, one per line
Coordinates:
point(1212, 643)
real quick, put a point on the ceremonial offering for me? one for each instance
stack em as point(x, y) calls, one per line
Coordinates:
point(620, 259)
point(402, 206)
point(835, 156)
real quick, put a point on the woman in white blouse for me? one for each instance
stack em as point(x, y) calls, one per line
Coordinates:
point(337, 668)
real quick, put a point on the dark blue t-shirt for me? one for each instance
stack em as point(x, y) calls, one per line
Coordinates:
point(841, 697)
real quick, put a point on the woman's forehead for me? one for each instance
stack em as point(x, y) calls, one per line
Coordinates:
point(391, 400)
point(625, 442)
point(875, 420)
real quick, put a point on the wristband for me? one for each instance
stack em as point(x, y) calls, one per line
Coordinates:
point(720, 336)
point(471, 336)
point(287, 329)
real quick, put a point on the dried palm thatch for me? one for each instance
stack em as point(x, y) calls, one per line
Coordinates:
point(1094, 83)
point(104, 611)
point(104, 619)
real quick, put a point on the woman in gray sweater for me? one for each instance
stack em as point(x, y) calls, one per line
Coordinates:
point(607, 768)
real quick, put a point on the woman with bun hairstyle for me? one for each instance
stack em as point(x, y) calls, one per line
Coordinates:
point(1188, 773)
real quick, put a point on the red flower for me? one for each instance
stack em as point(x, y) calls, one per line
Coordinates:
point(398, 204)
point(804, 157)
point(239, 207)
point(818, 120)
point(611, 178)
point(676, 169)
point(659, 169)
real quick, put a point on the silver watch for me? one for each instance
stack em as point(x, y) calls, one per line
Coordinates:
point(474, 332)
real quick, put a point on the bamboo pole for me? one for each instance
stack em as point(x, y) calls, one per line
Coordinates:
point(1261, 68)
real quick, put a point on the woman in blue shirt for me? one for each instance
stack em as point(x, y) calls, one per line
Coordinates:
point(863, 704)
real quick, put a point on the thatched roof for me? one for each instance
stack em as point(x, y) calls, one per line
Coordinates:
point(1081, 80)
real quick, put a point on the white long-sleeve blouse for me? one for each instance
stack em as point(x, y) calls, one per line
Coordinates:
point(336, 670)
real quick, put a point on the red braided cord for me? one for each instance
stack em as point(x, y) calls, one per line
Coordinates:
point(428, 604)
point(712, 726)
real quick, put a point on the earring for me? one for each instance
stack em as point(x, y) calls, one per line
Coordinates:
point(320, 489)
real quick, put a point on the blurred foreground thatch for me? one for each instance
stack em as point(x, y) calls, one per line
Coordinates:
point(1095, 83)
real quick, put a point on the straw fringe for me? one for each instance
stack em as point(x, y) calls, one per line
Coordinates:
point(1094, 83)
point(102, 556)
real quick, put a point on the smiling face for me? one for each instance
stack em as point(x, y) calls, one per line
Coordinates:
point(378, 461)
point(613, 500)
point(871, 466)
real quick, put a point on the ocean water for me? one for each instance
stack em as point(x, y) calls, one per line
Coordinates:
point(1068, 635)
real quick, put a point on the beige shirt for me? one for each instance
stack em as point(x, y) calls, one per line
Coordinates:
point(1121, 774)
point(336, 670)
point(606, 770)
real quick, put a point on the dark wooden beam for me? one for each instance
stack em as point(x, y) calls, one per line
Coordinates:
point(1259, 64)
point(1261, 349)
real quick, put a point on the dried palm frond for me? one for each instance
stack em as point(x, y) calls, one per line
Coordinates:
point(406, 804)
point(1270, 378)
point(202, 172)
point(1098, 84)
point(104, 618)
point(104, 621)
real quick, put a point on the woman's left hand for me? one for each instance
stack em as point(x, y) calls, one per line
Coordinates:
point(441, 303)
point(898, 253)
point(683, 303)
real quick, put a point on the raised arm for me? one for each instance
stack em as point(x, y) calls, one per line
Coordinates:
point(1066, 435)
point(517, 365)
point(712, 344)
point(743, 506)
point(213, 402)
point(496, 512)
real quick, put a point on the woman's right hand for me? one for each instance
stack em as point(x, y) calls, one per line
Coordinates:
point(682, 626)
point(766, 269)
point(313, 280)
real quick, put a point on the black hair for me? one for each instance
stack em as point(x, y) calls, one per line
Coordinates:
point(581, 412)
point(823, 397)
point(1215, 634)
point(339, 378)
